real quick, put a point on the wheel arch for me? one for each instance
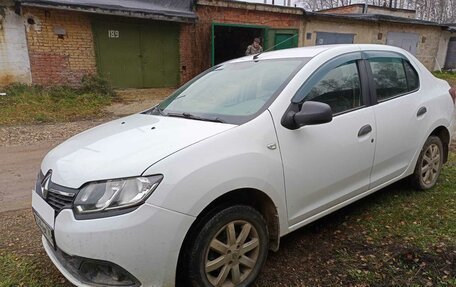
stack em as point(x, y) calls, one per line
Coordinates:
point(444, 134)
point(244, 196)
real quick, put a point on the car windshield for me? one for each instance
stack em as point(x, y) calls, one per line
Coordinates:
point(232, 92)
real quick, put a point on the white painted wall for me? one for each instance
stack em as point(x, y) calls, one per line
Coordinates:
point(14, 57)
point(443, 49)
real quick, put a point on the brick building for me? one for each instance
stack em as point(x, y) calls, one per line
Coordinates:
point(428, 41)
point(224, 29)
point(136, 44)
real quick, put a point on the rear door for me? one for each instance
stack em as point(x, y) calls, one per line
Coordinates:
point(399, 112)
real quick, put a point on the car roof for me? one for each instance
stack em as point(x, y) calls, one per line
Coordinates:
point(312, 51)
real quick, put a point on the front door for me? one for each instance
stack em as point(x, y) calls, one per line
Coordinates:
point(329, 163)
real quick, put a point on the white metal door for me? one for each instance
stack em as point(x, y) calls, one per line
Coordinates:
point(406, 41)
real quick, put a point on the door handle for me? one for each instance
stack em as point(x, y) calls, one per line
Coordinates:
point(421, 111)
point(364, 130)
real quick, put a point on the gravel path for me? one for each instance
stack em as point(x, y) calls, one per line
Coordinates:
point(31, 134)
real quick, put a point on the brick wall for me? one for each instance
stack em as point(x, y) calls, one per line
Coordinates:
point(195, 39)
point(350, 9)
point(58, 60)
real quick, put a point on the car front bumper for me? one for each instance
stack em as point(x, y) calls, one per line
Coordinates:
point(145, 243)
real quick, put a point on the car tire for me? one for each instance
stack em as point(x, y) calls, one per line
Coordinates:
point(230, 248)
point(429, 164)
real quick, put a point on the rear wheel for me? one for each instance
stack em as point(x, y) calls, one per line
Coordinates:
point(429, 164)
point(230, 249)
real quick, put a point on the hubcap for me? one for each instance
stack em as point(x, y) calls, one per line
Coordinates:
point(430, 165)
point(232, 254)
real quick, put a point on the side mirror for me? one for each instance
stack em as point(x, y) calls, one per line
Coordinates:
point(311, 113)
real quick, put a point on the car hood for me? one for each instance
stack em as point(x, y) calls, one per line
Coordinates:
point(123, 148)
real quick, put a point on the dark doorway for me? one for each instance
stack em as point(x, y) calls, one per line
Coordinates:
point(231, 41)
point(450, 62)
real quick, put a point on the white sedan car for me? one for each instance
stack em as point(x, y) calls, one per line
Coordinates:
point(196, 190)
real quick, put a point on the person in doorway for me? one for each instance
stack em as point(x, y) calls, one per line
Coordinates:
point(255, 48)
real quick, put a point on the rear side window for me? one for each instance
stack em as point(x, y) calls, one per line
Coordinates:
point(340, 88)
point(412, 77)
point(389, 77)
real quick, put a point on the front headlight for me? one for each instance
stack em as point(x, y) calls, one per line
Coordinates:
point(114, 195)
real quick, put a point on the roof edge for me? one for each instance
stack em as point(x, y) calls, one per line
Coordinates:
point(375, 18)
point(92, 9)
point(251, 6)
point(369, 5)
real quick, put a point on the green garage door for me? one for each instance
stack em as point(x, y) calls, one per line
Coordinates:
point(137, 54)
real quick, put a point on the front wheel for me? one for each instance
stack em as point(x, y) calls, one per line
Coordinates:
point(230, 249)
point(429, 164)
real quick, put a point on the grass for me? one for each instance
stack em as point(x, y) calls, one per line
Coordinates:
point(448, 76)
point(20, 271)
point(409, 236)
point(423, 218)
point(25, 104)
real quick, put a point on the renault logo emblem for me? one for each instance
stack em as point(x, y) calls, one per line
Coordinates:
point(45, 184)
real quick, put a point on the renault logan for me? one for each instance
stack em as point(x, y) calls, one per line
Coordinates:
point(200, 187)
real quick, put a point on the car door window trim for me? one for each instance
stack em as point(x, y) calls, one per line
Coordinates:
point(324, 69)
point(367, 55)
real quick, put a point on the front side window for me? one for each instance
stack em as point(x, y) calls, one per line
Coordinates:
point(389, 77)
point(233, 92)
point(340, 88)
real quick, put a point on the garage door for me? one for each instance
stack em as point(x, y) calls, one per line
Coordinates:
point(325, 38)
point(137, 54)
point(450, 62)
point(406, 41)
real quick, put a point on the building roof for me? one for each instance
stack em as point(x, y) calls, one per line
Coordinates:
point(370, 5)
point(169, 10)
point(376, 18)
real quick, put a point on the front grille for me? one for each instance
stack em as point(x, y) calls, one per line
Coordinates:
point(59, 201)
point(57, 196)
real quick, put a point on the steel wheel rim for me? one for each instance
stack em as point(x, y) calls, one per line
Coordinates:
point(232, 254)
point(430, 165)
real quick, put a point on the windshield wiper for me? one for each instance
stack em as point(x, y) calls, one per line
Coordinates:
point(194, 117)
point(160, 110)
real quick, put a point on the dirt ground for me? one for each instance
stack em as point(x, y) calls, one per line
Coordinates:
point(22, 148)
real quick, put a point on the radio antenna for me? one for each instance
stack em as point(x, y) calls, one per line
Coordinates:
point(287, 39)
